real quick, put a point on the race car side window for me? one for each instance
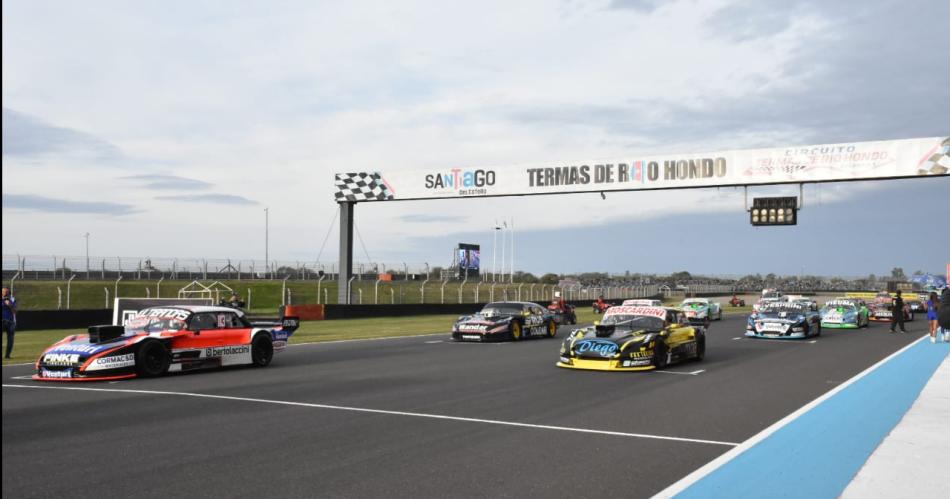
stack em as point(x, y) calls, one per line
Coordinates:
point(232, 321)
point(203, 321)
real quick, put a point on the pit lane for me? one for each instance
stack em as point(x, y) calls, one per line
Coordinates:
point(301, 427)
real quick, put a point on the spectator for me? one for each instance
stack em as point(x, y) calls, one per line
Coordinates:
point(9, 319)
point(897, 312)
point(943, 314)
point(933, 304)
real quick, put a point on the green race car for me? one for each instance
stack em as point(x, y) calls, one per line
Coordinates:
point(844, 313)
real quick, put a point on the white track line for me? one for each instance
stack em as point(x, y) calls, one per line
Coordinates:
point(694, 373)
point(14, 365)
point(731, 454)
point(381, 411)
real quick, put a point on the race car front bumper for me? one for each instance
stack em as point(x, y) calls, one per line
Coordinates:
point(839, 325)
point(774, 335)
point(605, 364)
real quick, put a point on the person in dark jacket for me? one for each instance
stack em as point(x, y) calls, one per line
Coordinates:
point(943, 314)
point(897, 313)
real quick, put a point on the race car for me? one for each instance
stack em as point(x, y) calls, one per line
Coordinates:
point(810, 302)
point(883, 311)
point(784, 320)
point(510, 320)
point(642, 302)
point(916, 305)
point(634, 339)
point(701, 310)
point(765, 301)
point(843, 313)
point(165, 339)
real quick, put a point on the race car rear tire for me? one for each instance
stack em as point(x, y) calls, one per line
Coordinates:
point(262, 350)
point(552, 329)
point(516, 331)
point(151, 359)
point(660, 356)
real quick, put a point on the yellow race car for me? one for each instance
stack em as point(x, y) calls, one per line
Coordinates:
point(634, 338)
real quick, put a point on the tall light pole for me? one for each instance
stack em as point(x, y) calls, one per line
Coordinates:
point(266, 241)
point(503, 251)
point(87, 255)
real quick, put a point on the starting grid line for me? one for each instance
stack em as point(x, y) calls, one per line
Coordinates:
point(383, 411)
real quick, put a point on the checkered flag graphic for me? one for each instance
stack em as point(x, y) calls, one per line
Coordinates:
point(937, 163)
point(361, 187)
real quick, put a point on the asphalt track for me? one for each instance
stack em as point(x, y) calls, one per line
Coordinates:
point(417, 417)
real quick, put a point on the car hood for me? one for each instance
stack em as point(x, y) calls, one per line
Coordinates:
point(586, 343)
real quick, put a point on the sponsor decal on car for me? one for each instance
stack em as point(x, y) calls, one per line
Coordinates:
point(164, 313)
point(112, 362)
point(46, 373)
point(228, 350)
point(659, 312)
point(74, 348)
point(603, 348)
point(471, 337)
point(473, 327)
point(61, 359)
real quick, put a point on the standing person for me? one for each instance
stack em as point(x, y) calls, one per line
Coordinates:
point(943, 315)
point(9, 318)
point(897, 313)
point(933, 304)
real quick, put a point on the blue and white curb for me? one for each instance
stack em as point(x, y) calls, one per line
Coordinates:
point(817, 450)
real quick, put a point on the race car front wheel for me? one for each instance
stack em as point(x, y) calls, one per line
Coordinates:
point(660, 357)
point(151, 359)
point(516, 331)
point(552, 329)
point(262, 350)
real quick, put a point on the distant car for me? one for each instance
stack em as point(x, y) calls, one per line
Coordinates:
point(844, 314)
point(916, 306)
point(701, 310)
point(509, 320)
point(634, 339)
point(810, 302)
point(883, 311)
point(784, 320)
point(642, 302)
point(765, 301)
point(165, 339)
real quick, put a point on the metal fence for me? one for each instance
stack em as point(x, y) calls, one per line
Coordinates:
point(57, 267)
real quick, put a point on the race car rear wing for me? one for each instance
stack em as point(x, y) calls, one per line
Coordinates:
point(289, 324)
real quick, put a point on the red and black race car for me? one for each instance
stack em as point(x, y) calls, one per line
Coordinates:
point(165, 339)
point(511, 320)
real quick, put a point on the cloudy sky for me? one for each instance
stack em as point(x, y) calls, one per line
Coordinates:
point(164, 128)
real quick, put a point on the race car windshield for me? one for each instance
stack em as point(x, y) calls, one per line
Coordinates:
point(633, 322)
point(836, 306)
point(143, 325)
point(694, 304)
point(501, 309)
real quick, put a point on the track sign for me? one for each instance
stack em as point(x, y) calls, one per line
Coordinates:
point(774, 211)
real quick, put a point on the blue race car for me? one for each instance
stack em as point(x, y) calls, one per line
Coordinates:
point(784, 320)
